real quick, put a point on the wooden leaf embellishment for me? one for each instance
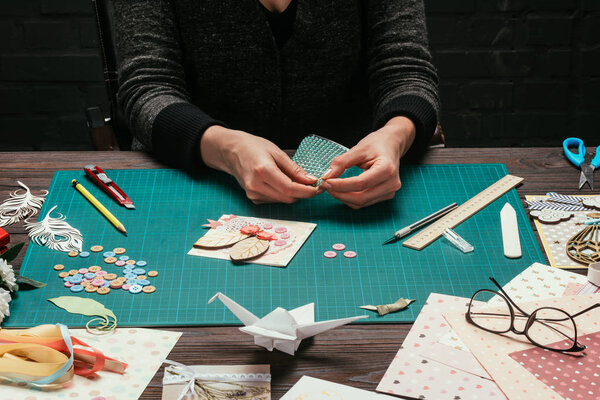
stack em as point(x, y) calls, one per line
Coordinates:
point(248, 248)
point(216, 239)
point(89, 307)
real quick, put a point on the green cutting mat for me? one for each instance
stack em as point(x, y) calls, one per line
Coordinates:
point(171, 207)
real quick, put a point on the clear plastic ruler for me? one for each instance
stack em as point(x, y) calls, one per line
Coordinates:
point(466, 210)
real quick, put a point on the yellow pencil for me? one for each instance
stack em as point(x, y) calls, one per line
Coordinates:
point(113, 220)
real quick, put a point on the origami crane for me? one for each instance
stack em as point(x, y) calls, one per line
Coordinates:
point(282, 329)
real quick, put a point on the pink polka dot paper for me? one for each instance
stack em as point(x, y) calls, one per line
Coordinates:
point(570, 376)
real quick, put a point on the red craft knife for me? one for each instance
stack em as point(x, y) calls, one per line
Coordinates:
point(99, 177)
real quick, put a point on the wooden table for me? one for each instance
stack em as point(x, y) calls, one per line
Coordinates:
point(356, 355)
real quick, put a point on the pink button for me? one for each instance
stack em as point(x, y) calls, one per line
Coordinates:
point(83, 270)
point(280, 242)
point(126, 286)
point(339, 246)
point(280, 229)
point(285, 236)
point(267, 226)
point(68, 284)
point(98, 282)
point(349, 254)
point(120, 263)
point(330, 254)
point(101, 273)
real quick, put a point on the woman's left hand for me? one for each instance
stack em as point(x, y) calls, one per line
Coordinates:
point(378, 154)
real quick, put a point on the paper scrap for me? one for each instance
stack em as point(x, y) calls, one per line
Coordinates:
point(384, 309)
point(308, 388)
point(107, 321)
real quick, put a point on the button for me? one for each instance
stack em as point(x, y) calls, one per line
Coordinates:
point(76, 288)
point(101, 273)
point(103, 290)
point(110, 277)
point(143, 282)
point(131, 276)
point(67, 279)
point(97, 248)
point(149, 289)
point(90, 288)
point(90, 275)
point(141, 277)
point(94, 268)
point(73, 253)
point(85, 283)
point(77, 279)
point(63, 274)
point(339, 246)
point(98, 282)
point(123, 258)
point(84, 254)
point(152, 274)
point(280, 229)
point(120, 263)
point(106, 284)
point(128, 267)
point(59, 267)
point(349, 254)
point(135, 289)
point(139, 271)
point(330, 254)
point(73, 272)
point(110, 260)
point(119, 250)
point(284, 236)
point(280, 242)
point(69, 284)
point(121, 279)
point(83, 271)
point(268, 225)
point(126, 286)
point(132, 281)
point(141, 263)
point(107, 254)
point(116, 284)
point(130, 262)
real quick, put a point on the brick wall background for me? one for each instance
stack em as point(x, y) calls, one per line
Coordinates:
point(512, 72)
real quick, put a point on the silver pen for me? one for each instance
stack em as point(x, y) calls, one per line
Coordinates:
point(416, 225)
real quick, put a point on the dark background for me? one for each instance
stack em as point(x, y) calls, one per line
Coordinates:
point(512, 72)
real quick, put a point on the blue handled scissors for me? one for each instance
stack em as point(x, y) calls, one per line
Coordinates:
point(578, 159)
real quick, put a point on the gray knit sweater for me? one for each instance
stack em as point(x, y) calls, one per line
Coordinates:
point(349, 66)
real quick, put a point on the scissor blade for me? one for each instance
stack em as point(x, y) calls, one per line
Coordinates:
point(587, 175)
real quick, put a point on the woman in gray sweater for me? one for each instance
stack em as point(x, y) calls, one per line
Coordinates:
point(228, 84)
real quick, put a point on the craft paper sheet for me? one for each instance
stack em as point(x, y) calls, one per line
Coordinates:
point(588, 288)
point(493, 350)
point(555, 237)
point(571, 377)
point(421, 371)
point(291, 235)
point(143, 349)
point(538, 281)
point(173, 391)
point(308, 388)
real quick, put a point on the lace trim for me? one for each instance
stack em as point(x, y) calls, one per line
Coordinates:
point(171, 377)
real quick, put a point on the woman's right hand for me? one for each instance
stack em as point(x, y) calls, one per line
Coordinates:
point(261, 168)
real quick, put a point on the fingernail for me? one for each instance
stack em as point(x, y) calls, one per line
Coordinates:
point(311, 177)
point(320, 189)
point(325, 185)
point(326, 174)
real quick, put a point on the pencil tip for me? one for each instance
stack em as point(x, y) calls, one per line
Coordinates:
point(390, 240)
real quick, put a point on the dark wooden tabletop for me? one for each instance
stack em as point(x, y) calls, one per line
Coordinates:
point(355, 355)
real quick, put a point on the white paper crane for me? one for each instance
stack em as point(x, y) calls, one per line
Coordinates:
point(282, 329)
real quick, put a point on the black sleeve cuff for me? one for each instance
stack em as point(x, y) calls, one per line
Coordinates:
point(420, 111)
point(176, 134)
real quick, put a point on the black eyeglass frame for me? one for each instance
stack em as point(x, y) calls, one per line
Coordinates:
point(531, 318)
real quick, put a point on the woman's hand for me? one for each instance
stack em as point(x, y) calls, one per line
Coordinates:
point(378, 154)
point(262, 169)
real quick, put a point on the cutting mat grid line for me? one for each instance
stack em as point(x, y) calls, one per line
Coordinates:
point(171, 207)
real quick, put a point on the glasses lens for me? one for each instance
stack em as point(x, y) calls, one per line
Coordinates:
point(552, 328)
point(494, 318)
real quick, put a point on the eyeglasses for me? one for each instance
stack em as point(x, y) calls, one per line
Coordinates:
point(547, 327)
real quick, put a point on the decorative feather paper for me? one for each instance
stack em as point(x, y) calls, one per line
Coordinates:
point(20, 205)
point(55, 233)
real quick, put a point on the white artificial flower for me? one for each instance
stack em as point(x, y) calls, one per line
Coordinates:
point(4, 300)
point(7, 275)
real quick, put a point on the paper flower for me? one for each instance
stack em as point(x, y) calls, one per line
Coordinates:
point(4, 300)
point(549, 216)
point(593, 202)
point(7, 275)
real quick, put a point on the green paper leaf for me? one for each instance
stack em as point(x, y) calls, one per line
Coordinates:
point(29, 282)
point(89, 307)
point(12, 253)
